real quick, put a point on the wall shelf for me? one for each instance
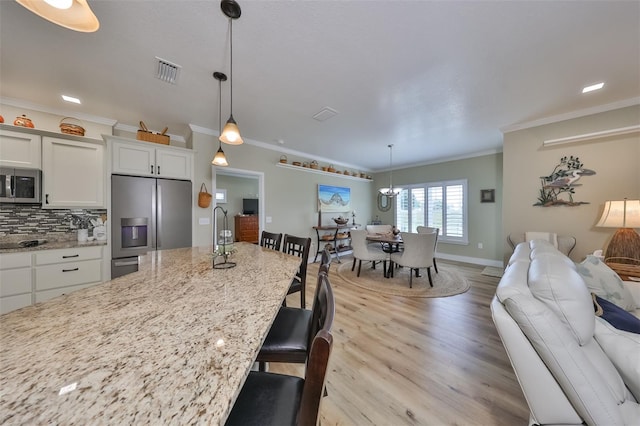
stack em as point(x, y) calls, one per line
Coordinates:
point(320, 172)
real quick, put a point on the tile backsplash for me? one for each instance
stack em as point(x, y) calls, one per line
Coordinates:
point(33, 219)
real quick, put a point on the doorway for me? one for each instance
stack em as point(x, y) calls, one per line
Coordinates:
point(251, 176)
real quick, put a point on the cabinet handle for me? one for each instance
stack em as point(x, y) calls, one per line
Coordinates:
point(72, 255)
point(158, 169)
point(152, 169)
point(69, 270)
point(46, 199)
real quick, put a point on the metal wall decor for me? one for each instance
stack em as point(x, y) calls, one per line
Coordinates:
point(558, 188)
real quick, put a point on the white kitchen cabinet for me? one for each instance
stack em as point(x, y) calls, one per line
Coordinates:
point(58, 272)
point(147, 159)
point(73, 174)
point(15, 281)
point(19, 149)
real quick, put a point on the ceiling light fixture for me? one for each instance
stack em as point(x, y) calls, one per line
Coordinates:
point(72, 14)
point(220, 159)
point(231, 132)
point(390, 191)
point(71, 99)
point(593, 87)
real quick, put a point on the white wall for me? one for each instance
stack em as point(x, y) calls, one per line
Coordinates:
point(616, 161)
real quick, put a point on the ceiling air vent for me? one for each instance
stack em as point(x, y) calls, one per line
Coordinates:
point(325, 114)
point(167, 71)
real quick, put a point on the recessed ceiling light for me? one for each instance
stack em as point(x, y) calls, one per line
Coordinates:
point(593, 87)
point(71, 99)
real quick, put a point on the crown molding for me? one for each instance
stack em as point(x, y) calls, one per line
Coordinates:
point(570, 115)
point(18, 103)
point(278, 149)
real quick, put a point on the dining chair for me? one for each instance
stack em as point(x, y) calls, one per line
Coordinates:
point(298, 246)
point(278, 399)
point(271, 240)
point(430, 230)
point(418, 253)
point(367, 252)
point(325, 261)
point(289, 338)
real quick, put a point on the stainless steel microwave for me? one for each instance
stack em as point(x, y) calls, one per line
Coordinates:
point(20, 185)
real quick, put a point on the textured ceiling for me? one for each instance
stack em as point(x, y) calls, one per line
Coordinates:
point(438, 79)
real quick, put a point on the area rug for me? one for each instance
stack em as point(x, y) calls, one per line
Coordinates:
point(447, 282)
point(493, 271)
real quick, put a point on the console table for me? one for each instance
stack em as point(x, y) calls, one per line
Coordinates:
point(337, 236)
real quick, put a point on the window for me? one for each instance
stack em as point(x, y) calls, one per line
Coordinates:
point(221, 196)
point(437, 204)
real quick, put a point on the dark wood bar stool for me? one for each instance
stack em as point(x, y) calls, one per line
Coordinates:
point(271, 240)
point(298, 246)
point(277, 399)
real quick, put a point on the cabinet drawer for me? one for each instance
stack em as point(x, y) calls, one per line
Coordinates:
point(68, 255)
point(11, 303)
point(15, 281)
point(68, 274)
point(41, 296)
point(15, 260)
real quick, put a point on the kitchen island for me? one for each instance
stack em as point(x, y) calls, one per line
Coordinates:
point(169, 344)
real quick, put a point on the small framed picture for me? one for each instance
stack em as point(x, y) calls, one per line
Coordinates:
point(487, 195)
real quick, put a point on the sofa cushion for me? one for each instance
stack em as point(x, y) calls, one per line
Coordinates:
point(623, 349)
point(583, 372)
point(604, 282)
point(560, 288)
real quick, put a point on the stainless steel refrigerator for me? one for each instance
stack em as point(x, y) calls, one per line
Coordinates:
point(147, 214)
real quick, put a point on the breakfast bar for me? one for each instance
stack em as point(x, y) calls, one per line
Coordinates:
point(169, 344)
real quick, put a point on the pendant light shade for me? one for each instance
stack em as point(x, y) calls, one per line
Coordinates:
point(72, 14)
point(220, 159)
point(231, 133)
point(390, 191)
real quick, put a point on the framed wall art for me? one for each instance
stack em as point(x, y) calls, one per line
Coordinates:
point(334, 198)
point(487, 195)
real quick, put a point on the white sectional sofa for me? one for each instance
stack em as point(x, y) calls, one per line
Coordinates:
point(573, 368)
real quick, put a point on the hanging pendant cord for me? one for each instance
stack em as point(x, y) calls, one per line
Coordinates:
point(220, 110)
point(231, 63)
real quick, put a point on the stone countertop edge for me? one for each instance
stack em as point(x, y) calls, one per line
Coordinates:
point(50, 244)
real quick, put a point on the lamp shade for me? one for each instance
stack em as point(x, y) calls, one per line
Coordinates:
point(220, 159)
point(231, 134)
point(77, 17)
point(620, 214)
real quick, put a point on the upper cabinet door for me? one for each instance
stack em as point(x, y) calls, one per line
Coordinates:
point(73, 174)
point(134, 159)
point(173, 164)
point(19, 149)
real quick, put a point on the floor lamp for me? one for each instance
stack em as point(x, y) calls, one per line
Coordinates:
point(624, 246)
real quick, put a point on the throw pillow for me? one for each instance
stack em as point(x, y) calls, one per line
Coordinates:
point(604, 282)
point(615, 315)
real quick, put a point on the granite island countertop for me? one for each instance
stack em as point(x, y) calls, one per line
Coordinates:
point(169, 344)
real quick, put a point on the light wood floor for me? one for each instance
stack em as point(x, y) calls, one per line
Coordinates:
point(399, 361)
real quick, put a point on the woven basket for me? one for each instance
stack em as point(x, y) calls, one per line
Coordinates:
point(71, 126)
point(625, 270)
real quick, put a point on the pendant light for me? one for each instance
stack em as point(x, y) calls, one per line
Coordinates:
point(231, 132)
point(390, 191)
point(72, 14)
point(220, 159)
